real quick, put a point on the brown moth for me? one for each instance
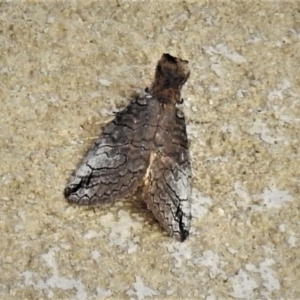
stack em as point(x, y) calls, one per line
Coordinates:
point(145, 147)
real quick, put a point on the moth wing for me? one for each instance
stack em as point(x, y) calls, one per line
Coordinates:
point(114, 167)
point(167, 183)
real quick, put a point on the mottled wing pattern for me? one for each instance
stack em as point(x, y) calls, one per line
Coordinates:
point(115, 166)
point(167, 185)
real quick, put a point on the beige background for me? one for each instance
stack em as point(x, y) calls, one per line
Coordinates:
point(66, 66)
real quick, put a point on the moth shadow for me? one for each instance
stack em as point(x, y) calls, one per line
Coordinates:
point(133, 204)
point(137, 206)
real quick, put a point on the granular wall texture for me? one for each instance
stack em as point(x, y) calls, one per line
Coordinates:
point(68, 67)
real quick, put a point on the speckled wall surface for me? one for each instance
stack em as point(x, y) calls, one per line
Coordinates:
point(66, 67)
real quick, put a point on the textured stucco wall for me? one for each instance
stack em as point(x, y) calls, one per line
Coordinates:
point(65, 67)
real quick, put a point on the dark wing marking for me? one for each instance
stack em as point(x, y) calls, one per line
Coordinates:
point(115, 166)
point(167, 182)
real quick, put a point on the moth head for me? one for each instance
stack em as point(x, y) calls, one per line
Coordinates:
point(170, 75)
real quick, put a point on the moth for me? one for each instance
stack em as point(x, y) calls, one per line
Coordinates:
point(145, 149)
